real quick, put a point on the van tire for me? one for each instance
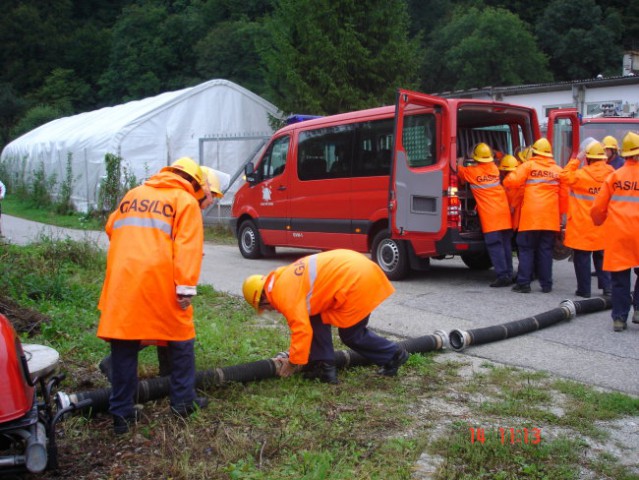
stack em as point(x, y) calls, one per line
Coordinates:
point(477, 260)
point(250, 242)
point(391, 255)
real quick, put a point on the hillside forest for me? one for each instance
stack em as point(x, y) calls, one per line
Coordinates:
point(62, 57)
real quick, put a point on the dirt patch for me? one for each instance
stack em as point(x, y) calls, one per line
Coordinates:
point(24, 320)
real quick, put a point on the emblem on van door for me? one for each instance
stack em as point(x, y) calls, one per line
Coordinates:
point(266, 194)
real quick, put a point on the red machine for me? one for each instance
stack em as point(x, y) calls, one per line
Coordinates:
point(27, 419)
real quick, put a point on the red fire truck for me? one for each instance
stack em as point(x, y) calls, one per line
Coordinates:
point(382, 180)
point(567, 128)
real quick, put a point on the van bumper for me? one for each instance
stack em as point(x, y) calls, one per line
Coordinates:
point(456, 243)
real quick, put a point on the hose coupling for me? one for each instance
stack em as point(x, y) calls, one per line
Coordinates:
point(459, 339)
point(569, 307)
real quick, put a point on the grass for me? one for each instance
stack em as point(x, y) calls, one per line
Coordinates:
point(416, 425)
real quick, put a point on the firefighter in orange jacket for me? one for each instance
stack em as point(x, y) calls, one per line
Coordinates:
point(616, 208)
point(153, 266)
point(515, 195)
point(494, 212)
point(545, 200)
point(335, 288)
point(586, 239)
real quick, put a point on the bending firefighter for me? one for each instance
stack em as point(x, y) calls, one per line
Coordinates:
point(153, 266)
point(335, 288)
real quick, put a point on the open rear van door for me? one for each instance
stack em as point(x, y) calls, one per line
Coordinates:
point(417, 186)
point(563, 134)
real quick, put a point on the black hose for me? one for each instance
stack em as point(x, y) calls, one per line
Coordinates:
point(159, 387)
point(460, 339)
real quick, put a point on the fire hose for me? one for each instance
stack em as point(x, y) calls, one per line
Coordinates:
point(460, 339)
point(155, 388)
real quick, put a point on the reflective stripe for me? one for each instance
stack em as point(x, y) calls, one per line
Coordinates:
point(312, 276)
point(487, 185)
point(542, 180)
point(624, 198)
point(581, 196)
point(143, 222)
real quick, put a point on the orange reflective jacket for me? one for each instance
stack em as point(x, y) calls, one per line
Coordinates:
point(584, 183)
point(155, 252)
point(342, 285)
point(492, 203)
point(545, 194)
point(616, 206)
point(515, 197)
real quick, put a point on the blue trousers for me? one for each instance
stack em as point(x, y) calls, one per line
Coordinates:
point(500, 250)
point(621, 298)
point(535, 248)
point(581, 262)
point(358, 337)
point(124, 380)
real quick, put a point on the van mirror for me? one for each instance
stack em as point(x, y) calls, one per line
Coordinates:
point(249, 173)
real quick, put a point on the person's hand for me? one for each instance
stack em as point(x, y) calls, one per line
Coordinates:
point(184, 301)
point(285, 368)
point(581, 156)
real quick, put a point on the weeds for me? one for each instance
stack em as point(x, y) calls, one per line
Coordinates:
point(368, 427)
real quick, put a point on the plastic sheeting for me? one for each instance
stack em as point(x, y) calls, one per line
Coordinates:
point(217, 123)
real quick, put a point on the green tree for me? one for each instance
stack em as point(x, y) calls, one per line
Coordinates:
point(580, 40)
point(34, 117)
point(487, 47)
point(63, 90)
point(229, 51)
point(330, 56)
point(152, 51)
point(11, 108)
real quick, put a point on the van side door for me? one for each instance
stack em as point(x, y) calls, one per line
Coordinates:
point(270, 192)
point(417, 185)
point(563, 134)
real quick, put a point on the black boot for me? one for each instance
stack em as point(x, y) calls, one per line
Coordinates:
point(326, 372)
point(399, 359)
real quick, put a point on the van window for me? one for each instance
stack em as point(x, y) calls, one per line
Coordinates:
point(274, 160)
point(374, 147)
point(325, 153)
point(418, 138)
point(354, 150)
point(497, 137)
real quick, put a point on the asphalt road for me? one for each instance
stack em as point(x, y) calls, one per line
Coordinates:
point(449, 296)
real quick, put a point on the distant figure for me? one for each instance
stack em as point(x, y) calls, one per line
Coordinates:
point(3, 192)
point(615, 207)
point(545, 200)
point(582, 235)
point(611, 148)
point(494, 212)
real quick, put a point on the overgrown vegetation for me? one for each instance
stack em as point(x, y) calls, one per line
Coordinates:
point(417, 425)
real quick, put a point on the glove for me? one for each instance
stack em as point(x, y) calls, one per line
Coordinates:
point(184, 301)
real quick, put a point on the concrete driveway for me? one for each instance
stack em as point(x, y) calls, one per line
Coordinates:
point(449, 296)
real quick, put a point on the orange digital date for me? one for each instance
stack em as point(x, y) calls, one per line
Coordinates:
point(508, 436)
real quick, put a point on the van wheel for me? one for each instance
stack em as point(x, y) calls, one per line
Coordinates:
point(477, 261)
point(250, 242)
point(391, 255)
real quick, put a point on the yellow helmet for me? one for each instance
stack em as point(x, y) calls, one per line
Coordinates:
point(630, 145)
point(542, 147)
point(212, 181)
point(610, 142)
point(508, 163)
point(595, 151)
point(252, 290)
point(524, 154)
point(482, 153)
point(189, 166)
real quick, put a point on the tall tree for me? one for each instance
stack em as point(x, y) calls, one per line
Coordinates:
point(329, 56)
point(580, 41)
point(152, 50)
point(487, 47)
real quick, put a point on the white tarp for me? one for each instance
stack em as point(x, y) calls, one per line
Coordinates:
point(217, 123)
